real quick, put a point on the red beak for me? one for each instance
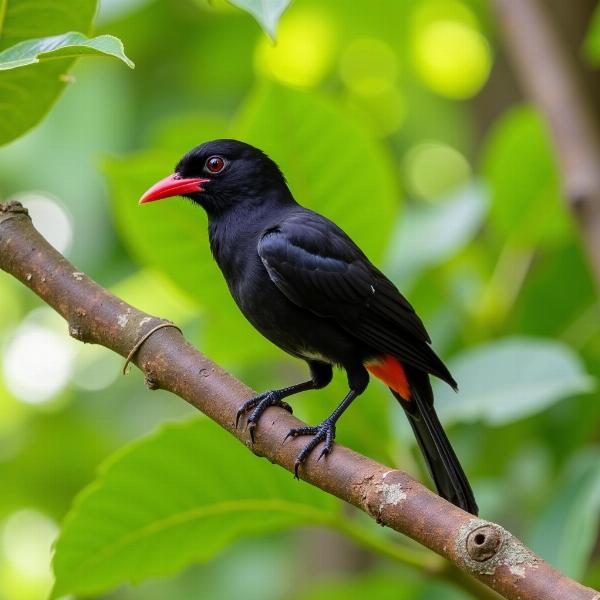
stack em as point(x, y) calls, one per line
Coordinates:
point(173, 185)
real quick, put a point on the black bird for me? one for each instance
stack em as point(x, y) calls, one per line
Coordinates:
point(308, 288)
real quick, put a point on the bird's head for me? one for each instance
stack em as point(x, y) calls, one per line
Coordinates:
point(221, 174)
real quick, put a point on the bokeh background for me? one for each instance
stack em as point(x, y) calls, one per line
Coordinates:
point(402, 120)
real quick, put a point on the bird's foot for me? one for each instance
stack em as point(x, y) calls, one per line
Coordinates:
point(324, 432)
point(256, 407)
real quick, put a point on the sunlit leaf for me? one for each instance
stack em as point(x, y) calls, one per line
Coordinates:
point(510, 379)
point(519, 167)
point(566, 532)
point(68, 45)
point(27, 93)
point(266, 12)
point(176, 497)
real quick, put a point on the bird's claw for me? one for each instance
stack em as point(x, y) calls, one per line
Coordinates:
point(257, 406)
point(325, 432)
point(251, 427)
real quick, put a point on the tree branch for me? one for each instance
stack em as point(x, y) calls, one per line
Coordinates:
point(550, 78)
point(480, 548)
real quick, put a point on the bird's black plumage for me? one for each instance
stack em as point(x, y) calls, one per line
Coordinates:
point(307, 287)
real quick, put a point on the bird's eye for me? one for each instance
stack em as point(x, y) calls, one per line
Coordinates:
point(215, 164)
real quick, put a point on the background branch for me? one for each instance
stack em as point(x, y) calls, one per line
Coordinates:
point(477, 547)
point(550, 78)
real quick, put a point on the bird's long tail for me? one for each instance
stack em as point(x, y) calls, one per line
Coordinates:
point(413, 391)
point(442, 463)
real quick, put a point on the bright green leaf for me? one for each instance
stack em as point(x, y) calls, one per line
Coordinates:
point(266, 12)
point(567, 531)
point(176, 497)
point(519, 167)
point(510, 379)
point(68, 45)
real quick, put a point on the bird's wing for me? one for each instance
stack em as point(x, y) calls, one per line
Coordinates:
point(319, 268)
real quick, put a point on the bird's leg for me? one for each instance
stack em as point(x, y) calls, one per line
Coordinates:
point(358, 378)
point(321, 375)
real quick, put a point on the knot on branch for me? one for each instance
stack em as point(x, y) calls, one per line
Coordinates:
point(484, 547)
point(483, 542)
point(8, 210)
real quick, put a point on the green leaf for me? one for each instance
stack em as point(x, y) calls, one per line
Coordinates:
point(68, 45)
point(176, 497)
point(27, 93)
point(519, 166)
point(428, 234)
point(266, 12)
point(567, 531)
point(510, 379)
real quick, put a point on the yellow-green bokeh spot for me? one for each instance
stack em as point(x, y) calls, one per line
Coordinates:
point(304, 50)
point(449, 53)
point(433, 170)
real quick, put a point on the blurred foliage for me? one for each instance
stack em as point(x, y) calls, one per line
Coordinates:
point(458, 201)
